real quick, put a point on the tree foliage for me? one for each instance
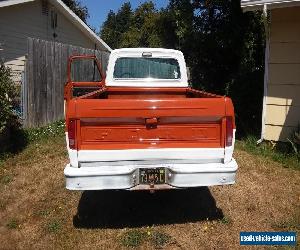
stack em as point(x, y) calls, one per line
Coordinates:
point(128, 28)
point(80, 10)
point(223, 46)
point(8, 94)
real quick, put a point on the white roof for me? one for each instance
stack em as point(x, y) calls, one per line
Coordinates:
point(68, 13)
point(152, 50)
point(249, 5)
point(146, 82)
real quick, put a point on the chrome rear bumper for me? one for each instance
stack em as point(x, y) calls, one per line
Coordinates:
point(127, 176)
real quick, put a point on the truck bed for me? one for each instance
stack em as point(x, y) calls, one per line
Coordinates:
point(147, 93)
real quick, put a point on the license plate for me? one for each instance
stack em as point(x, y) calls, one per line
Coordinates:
point(152, 175)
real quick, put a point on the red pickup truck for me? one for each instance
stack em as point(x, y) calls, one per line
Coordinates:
point(142, 126)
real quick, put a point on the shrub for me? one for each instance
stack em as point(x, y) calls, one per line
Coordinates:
point(295, 142)
point(9, 122)
point(8, 93)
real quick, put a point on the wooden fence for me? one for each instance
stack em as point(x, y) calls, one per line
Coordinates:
point(45, 77)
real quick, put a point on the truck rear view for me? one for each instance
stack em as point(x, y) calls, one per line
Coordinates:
point(144, 128)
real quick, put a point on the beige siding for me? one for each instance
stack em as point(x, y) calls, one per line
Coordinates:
point(276, 133)
point(280, 115)
point(291, 95)
point(20, 21)
point(287, 31)
point(284, 52)
point(285, 15)
point(283, 99)
point(16, 23)
point(284, 74)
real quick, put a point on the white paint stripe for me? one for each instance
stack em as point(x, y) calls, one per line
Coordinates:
point(150, 154)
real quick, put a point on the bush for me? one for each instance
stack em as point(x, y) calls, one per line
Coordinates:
point(295, 143)
point(9, 122)
point(8, 93)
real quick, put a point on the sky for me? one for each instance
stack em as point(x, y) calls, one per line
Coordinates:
point(98, 9)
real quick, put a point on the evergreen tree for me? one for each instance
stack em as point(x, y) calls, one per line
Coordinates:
point(80, 10)
point(116, 25)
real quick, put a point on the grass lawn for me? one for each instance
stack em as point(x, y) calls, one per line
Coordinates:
point(37, 212)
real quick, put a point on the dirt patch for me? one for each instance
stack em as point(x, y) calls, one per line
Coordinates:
point(37, 212)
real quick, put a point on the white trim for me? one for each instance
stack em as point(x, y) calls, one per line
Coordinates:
point(250, 5)
point(266, 74)
point(73, 154)
point(13, 2)
point(229, 150)
point(151, 154)
point(71, 16)
point(156, 53)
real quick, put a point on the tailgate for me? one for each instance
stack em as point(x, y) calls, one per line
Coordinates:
point(110, 124)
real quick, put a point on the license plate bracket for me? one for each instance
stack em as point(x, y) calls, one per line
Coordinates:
point(152, 176)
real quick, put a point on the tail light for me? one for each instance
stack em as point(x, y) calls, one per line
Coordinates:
point(229, 131)
point(72, 133)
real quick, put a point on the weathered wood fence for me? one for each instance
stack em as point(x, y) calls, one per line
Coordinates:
point(45, 77)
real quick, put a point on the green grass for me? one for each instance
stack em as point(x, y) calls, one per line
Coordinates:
point(26, 137)
point(225, 220)
point(136, 237)
point(279, 152)
point(13, 224)
point(42, 213)
point(6, 179)
point(160, 239)
point(133, 238)
point(52, 130)
point(54, 226)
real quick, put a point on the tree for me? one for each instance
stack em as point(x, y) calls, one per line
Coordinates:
point(127, 28)
point(228, 57)
point(182, 16)
point(224, 48)
point(116, 25)
point(80, 10)
point(109, 32)
point(144, 28)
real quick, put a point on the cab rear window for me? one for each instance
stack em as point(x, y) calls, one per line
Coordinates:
point(138, 68)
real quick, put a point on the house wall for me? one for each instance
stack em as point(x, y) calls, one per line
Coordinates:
point(283, 97)
point(17, 22)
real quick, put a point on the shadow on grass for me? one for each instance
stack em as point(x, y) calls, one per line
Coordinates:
point(12, 141)
point(119, 209)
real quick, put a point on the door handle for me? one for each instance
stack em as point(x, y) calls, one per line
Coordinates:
point(151, 122)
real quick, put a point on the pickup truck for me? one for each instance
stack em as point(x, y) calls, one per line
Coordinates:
point(141, 127)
